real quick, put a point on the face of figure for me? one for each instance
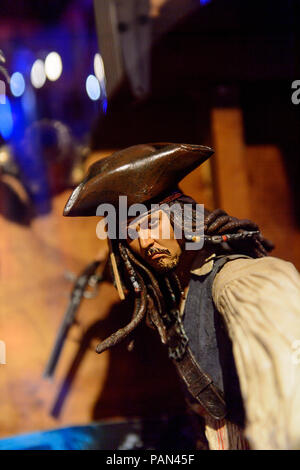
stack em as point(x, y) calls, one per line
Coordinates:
point(154, 241)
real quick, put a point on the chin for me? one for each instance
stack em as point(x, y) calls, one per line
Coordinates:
point(165, 265)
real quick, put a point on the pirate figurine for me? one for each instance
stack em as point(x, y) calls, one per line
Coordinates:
point(228, 313)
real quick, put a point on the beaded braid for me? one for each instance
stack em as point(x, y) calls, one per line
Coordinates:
point(220, 222)
point(140, 307)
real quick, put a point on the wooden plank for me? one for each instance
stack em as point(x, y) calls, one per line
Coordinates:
point(271, 203)
point(251, 182)
point(230, 172)
point(199, 185)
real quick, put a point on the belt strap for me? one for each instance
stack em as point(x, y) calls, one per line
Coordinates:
point(199, 384)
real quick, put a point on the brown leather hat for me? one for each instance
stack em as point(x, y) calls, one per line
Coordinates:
point(141, 173)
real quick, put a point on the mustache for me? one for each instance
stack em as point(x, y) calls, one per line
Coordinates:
point(154, 251)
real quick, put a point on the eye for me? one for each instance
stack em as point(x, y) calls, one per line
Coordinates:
point(153, 223)
point(133, 232)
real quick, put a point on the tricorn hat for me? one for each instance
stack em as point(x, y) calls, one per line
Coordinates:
point(140, 172)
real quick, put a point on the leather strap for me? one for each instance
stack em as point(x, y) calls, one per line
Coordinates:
point(199, 384)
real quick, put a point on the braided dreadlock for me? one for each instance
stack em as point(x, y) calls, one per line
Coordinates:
point(156, 295)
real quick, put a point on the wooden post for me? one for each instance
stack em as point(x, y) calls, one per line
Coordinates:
point(229, 161)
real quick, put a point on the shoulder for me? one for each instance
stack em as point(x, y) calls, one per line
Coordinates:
point(255, 272)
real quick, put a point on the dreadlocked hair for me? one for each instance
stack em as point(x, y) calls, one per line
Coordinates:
point(157, 295)
point(218, 222)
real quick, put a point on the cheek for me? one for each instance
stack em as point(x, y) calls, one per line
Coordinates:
point(178, 249)
point(174, 244)
point(181, 244)
point(174, 247)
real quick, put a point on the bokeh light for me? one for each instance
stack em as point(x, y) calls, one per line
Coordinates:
point(37, 74)
point(93, 87)
point(6, 119)
point(53, 66)
point(17, 84)
point(2, 92)
point(99, 67)
point(28, 101)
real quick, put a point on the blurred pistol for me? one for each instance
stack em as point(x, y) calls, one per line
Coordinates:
point(87, 277)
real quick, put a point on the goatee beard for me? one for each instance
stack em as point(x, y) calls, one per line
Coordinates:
point(162, 265)
point(166, 265)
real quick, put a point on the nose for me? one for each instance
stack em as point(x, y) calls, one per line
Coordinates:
point(145, 239)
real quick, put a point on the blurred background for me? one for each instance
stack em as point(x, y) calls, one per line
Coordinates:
point(78, 80)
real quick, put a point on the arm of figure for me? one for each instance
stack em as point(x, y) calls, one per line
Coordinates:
point(259, 300)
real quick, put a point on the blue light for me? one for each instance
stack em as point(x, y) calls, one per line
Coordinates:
point(6, 120)
point(29, 104)
point(92, 86)
point(104, 105)
point(22, 60)
point(17, 84)
point(204, 2)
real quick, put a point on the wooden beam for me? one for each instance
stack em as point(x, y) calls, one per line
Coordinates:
point(229, 161)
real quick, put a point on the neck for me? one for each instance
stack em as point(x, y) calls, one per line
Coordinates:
point(184, 267)
point(186, 262)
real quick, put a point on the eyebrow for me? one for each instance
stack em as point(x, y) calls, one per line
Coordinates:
point(149, 217)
